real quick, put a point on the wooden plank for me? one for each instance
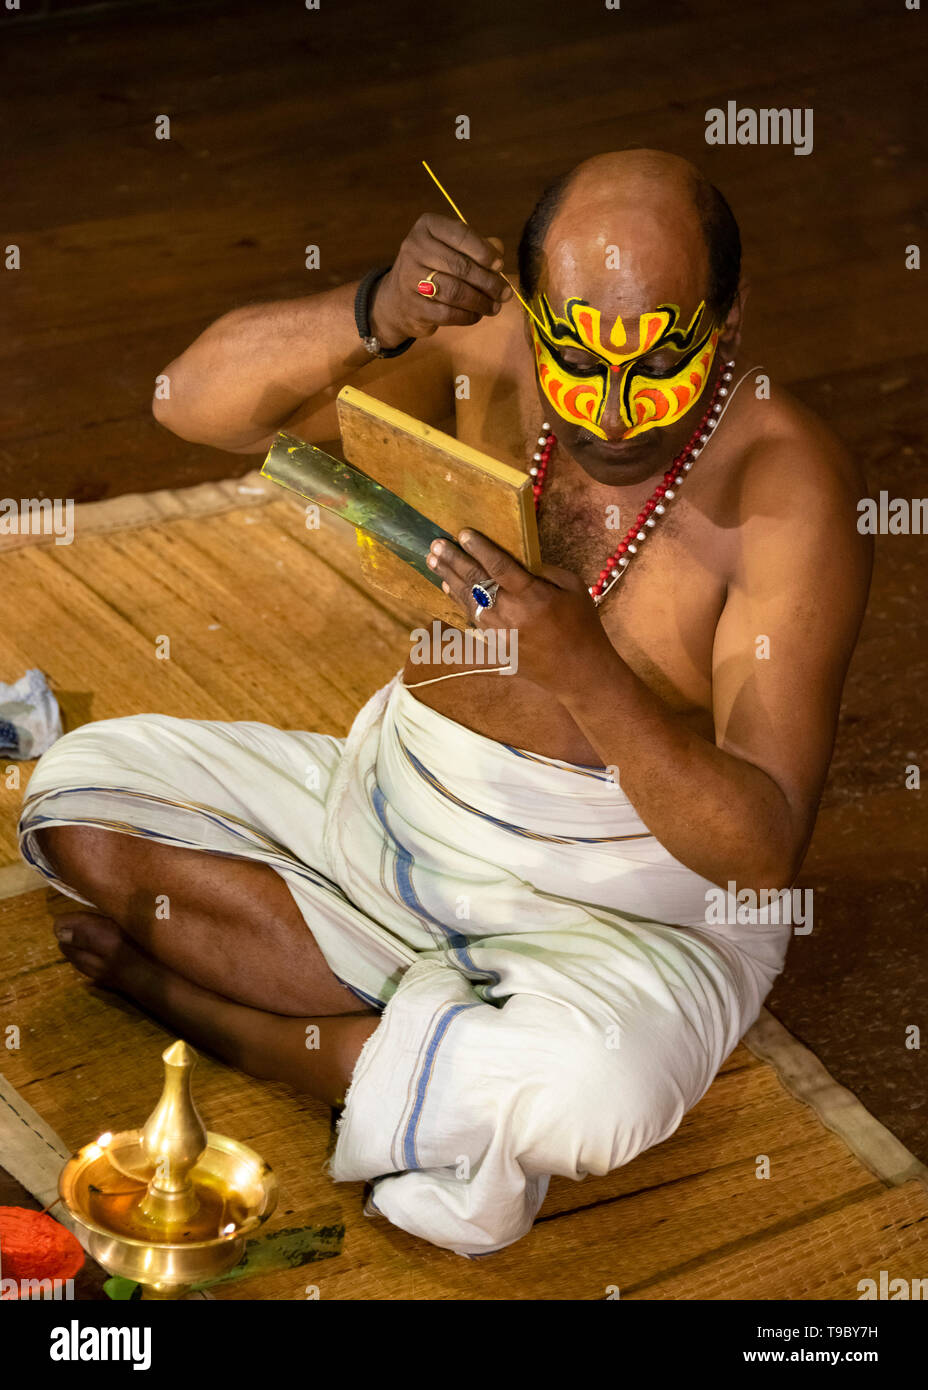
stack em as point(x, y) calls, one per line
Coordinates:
point(449, 482)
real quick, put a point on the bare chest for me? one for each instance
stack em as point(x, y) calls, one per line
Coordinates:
point(661, 616)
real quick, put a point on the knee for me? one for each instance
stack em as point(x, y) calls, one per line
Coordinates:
point(607, 1098)
point(78, 854)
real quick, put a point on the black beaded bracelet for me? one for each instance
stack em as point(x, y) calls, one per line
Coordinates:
point(362, 318)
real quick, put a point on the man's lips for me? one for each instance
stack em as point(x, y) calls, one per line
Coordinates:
point(615, 449)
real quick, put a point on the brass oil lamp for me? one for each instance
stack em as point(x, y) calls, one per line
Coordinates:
point(168, 1205)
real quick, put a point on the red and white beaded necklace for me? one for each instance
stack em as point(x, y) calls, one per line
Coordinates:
point(646, 520)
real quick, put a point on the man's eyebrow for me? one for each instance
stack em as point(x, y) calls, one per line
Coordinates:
point(657, 348)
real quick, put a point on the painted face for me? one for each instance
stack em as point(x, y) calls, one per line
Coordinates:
point(647, 397)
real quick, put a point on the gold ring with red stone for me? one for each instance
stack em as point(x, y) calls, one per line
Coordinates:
point(428, 286)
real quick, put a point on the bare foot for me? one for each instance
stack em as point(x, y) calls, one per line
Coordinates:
point(96, 946)
point(267, 1045)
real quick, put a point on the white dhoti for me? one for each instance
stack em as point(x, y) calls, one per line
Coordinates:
point(553, 999)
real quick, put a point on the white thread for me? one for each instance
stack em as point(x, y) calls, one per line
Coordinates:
point(477, 671)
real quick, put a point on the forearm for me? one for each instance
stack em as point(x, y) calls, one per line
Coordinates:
point(253, 368)
point(722, 817)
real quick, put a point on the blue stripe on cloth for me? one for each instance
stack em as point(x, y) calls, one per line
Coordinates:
point(210, 813)
point(32, 821)
point(582, 770)
point(410, 1157)
point(367, 998)
point(433, 781)
point(457, 944)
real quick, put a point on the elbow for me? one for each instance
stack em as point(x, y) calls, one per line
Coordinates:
point(775, 849)
point(170, 391)
point(171, 402)
point(767, 860)
point(164, 399)
point(773, 871)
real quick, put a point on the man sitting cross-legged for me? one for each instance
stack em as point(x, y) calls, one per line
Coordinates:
point(492, 896)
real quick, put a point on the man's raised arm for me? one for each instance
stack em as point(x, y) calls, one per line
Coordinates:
point(266, 367)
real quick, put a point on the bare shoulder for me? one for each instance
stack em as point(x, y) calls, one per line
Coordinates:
point(794, 496)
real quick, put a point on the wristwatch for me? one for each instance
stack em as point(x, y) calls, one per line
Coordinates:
point(362, 303)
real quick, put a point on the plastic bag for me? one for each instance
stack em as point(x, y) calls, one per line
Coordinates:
point(30, 719)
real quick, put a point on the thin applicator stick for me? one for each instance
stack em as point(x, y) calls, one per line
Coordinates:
point(460, 214)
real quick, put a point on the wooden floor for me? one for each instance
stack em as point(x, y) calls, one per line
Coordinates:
point(292, 127)
point(237, 592)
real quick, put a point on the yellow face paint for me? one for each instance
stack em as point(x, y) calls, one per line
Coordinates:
point(648, 398)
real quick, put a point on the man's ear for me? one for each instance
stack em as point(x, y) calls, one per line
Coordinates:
point(730, 340)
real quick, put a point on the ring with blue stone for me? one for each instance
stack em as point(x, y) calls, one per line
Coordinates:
point(484, 595)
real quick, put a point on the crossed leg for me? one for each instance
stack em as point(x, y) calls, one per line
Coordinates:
point(216, 948)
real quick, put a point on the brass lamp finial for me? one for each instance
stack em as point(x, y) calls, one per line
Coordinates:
point(173, 1138)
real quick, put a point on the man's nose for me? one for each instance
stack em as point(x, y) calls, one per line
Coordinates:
point(611, 420)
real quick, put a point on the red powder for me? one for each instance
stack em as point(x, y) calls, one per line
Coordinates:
point(35, 1246)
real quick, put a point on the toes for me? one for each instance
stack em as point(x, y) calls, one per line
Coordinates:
point(94, 967)
point(90, 942)
point(87, 931)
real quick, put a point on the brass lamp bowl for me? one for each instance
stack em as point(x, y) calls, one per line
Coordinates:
point(169, 1205)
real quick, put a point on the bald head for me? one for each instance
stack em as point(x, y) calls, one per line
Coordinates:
point(677, 239)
